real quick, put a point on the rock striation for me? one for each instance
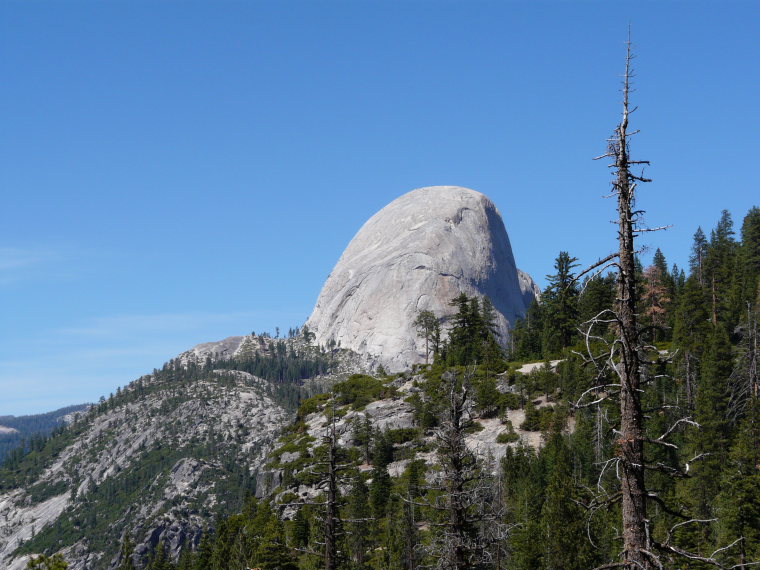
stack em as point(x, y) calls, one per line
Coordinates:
point(418, 253)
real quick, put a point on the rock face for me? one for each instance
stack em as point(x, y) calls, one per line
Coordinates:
point(418, 253)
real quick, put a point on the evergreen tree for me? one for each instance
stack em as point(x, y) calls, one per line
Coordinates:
point(711, 441)
point(527, 334)
point(561, 510)
point(739, 500)
point(414, 478)
point(691, 330)
point(463, 336)
point(720, 270)
point(185, 560)
point(698, 255)
point(160, 560)
point(429, 328)
point(598, 294)
point(745, 378)
point(42, 562)
point(272, 552)
point(561, 305)
point(473, 334)
point(457, 545)
point(659, 262)
point(301, 529)
point(358, 525)
point(749, 255)
point(202, 559)
point(524, 487)
point(380, 489)
point(656, 298)
point(127, 549)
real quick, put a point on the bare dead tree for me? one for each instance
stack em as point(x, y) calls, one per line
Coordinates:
point(470, 498)
point(332, 519)
point(459, 470)
point(626, 351)
point(626, 358)
point(331, 470)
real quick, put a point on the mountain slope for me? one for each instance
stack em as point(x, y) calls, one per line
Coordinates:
point(162, 457)
point(15, 429)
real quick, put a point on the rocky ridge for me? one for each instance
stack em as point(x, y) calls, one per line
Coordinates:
point(157, 460)
point(291, 462)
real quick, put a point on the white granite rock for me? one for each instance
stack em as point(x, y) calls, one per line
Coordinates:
point(418, 253)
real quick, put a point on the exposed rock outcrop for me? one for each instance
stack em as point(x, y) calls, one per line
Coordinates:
point(418, 253)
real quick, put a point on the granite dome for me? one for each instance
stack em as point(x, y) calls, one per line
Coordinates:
point(417, 253)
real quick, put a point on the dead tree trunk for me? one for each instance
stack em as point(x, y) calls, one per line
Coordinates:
point(625, 356)
point(458, 464)
point(331, 506)
point(636, 542)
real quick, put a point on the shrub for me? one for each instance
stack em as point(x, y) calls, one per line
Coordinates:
point(311, 405)
point(360, 389)
point(507, 437)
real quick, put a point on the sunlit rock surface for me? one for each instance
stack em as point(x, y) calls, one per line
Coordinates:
point(418, 253)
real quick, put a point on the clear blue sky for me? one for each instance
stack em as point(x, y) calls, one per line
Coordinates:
point(178, 172)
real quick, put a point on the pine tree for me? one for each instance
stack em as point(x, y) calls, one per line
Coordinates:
point(563, 528)
point(745, 377)
point(691, 330)
point(358, 525)
point(457, 545)
point(524, 487)
point(272, 552)
point(656, 299)
point(429, 328)
point(204, 554)
point(301, 529)
point(160, 559)
point(738, 503)
point(698, 255)
point(127, 549)
point(42, 562)
point(414, 477)
point(711, 413)
point(527, 334)
point(720, 269)
point(598, 294)
point(561, 305)
point(749, 255)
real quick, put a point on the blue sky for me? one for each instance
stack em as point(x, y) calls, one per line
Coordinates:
point(178, 172)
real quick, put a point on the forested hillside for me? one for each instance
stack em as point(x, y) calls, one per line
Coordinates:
point(160, 458)
point(18, 434)
point(447, 478)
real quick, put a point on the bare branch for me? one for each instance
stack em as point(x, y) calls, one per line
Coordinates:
point(595, 265)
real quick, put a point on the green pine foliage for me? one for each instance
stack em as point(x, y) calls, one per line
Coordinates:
point(560, 300)
point(42, 562)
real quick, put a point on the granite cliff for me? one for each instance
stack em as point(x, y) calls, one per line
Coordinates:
point(418, 253)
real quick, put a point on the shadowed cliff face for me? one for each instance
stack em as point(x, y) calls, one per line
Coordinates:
point(418, 253)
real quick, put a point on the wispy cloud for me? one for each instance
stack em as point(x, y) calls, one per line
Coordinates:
point(130, 325)
point(12, 257)
point(15, 262)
